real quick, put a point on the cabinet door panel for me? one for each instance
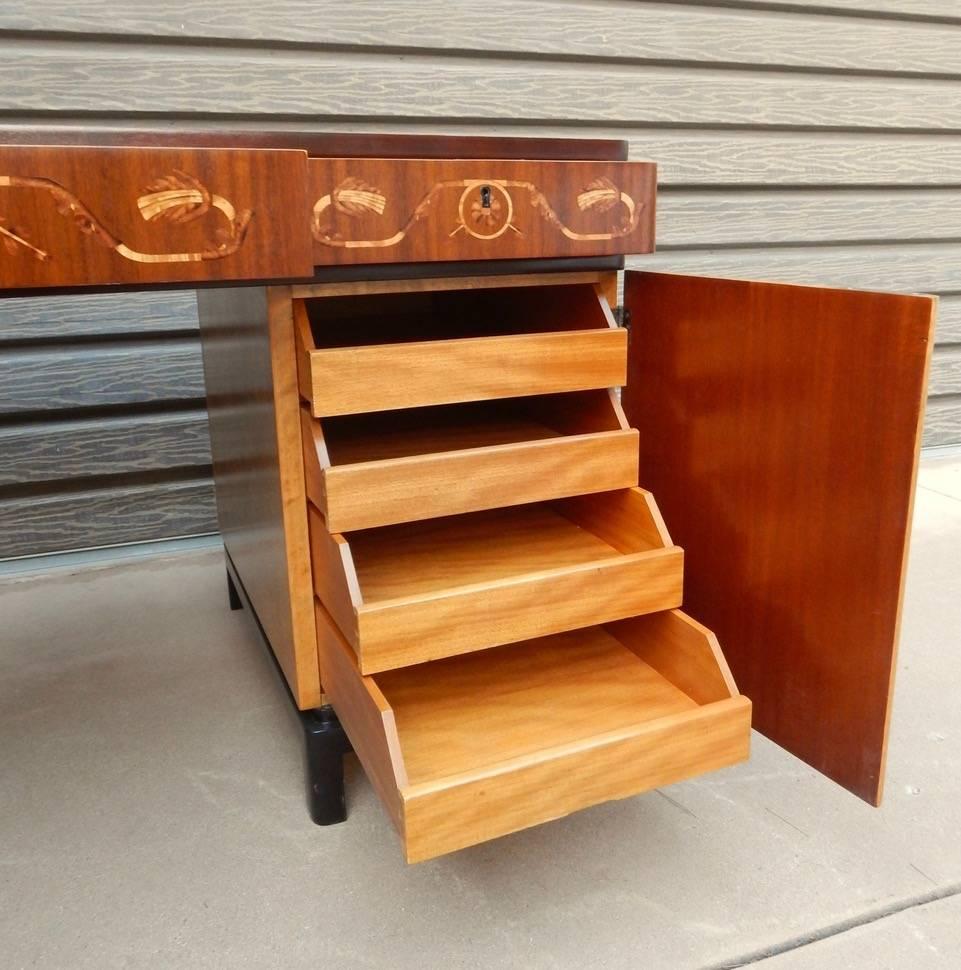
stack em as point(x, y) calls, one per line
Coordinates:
point(779, 429)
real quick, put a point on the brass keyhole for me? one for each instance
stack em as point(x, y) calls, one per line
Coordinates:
point(485, 196)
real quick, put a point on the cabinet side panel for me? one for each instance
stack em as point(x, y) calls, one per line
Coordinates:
point(257, 474)
point(779, 431)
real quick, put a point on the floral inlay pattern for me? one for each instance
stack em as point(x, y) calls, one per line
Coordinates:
point(353, 197)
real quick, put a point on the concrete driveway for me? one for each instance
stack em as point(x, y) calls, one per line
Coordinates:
point(152, 815)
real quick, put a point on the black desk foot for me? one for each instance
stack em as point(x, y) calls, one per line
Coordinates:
point(325, 745)
point(236, 603)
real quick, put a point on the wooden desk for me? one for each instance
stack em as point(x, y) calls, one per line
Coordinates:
point(445, 521)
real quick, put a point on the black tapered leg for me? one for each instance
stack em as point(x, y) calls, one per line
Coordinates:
point(325, 745)
point(236, 603)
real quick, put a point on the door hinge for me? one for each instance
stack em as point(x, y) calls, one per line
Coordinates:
point(623, 317)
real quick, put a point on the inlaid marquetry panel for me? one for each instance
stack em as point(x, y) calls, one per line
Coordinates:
point(369, 210)
point(91, 216)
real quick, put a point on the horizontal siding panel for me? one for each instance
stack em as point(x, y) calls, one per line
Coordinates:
point(799, 158)
point(110, 516)
point(949, 320)
point(946, 9)
point(723, 216)
point(66, 450)
point(627, 31)
point(945, 377)
point(187, 80)
point(71, 378)
point(919, 268)
point(110, 315)
point(942, 422)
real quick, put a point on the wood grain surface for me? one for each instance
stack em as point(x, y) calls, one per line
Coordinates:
point(334, 576)
point(470, 480)
point(320, 143)
point(470, 748)
point(387, 435)
point(537, 695)
point(85, 216)
point(681, 650)
point(365, 715)
point(441, 345)
point(450, 814)
point(249, 366)
point(485, 547)
point(416, 210)
point(439, 284)
point(415, 592)
point(795, 522)
point(347, 380)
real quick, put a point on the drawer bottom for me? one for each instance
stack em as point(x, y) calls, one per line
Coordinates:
point(472, 747)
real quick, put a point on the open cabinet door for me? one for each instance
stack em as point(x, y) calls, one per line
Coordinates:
point(779, 431)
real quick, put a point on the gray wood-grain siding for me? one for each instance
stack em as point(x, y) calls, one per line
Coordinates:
point(94, 447)
point(106, 516)
point(811, 143)
point(38, 319)
point(103, 431)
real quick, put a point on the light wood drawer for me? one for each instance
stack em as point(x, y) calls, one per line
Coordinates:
point(364, 471)
point(473, 747)
point(445, 347)
point(409, 593)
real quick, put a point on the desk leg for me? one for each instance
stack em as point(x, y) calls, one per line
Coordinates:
point(325, 742)
point(236, 603)
point(325, 745)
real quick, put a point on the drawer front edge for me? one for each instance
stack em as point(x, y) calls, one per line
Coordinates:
point(453, 813)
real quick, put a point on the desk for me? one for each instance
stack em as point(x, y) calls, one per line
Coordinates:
point(430, 491)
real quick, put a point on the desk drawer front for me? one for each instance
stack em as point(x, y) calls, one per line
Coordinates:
point(350, 380)
point(142, 216)
point(377, 353)
point(424, 590)
point(375, 210)
point(371, 470)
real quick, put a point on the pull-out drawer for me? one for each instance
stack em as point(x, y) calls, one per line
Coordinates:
point(370, 470)
point(368, 353)
point(473, 747)
point(408, 593)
